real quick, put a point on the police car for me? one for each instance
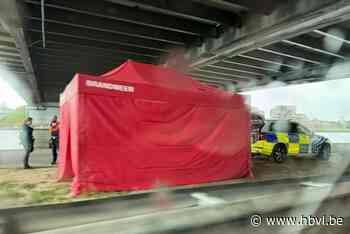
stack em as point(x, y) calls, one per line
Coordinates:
point(282, 138)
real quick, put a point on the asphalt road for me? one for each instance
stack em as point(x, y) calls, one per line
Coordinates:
point(13, 158)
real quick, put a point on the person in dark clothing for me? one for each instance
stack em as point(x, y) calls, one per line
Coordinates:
point(54, 140)
point(27, 140)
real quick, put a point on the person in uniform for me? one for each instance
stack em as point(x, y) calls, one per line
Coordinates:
point(27, 140)
point(54, 139)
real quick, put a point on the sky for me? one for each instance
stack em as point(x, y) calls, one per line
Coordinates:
point(326, 100)
point(9, 96)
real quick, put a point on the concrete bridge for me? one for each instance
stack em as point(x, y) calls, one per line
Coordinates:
point(232, 44)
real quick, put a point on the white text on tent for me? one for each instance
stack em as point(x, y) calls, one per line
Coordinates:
point(103, 85)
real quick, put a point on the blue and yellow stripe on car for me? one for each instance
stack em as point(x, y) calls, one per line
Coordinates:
point(295, 143)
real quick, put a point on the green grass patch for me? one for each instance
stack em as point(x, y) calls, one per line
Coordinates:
point(14, 118)
point(37, 187)
point(333, 130)
point(9, 189)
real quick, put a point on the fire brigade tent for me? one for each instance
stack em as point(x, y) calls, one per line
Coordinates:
point(141, 126)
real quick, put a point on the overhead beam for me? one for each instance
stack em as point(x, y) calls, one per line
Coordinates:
point(117, 27)
point(88, 50)
point(118, 12)
point(11, 64)
point(209, 81)
point(78, 68)
point(265, 7)
point(249, 65)
point(17, 69)
point(290, 19)
point(183, 9)
point(235, 70)
point(11, 59)
point(86, 53)
point(70, 71)
point(7, 45)
point(224, 74)
point(296, 54)
point(211, 77)
point(332, 36)
point(220, 70)
point(219, 76)
point(339, 70)
point(266, 60)
point(4, 37)
point(224, 5)
point(66, 58)
point(240, 67)
point(108, 43)
point(88, 34)
point(9, 52)
point(310, 48)
point(90, 43)
point(8, 49)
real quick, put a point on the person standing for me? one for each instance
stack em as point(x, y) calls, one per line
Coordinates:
point(54, 140)
point(27, 140)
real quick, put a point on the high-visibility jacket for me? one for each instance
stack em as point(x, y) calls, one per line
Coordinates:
point(54, 128)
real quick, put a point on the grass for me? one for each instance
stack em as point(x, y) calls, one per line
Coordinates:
point(334, 130)
point(14, 118)
point(20, 187)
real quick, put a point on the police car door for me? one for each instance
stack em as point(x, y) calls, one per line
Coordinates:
point(304, 140)
point(293, 145)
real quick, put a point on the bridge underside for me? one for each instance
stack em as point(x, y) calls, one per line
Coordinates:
point(226, 43)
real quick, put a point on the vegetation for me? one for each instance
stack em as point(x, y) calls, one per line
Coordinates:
point(333, 130)
point(20, 187)
point(14, 118)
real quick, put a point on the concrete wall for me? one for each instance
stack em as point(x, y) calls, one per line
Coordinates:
point(10, 139)
point(42, 115)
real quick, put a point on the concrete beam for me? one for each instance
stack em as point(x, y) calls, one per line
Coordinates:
point(312, 44)
point(224, 72)
point(5, 37)
point(90, 43)
point(11, 21)
point(289, 20)
point(9, 52)
point(339, 70)
point(117, 27)
point(118, 12)
point(55, 53)
point(110, 38)
point(224, 5)
point(244, 67)
point(182, 9)
point(296, 54)
point(264, 7)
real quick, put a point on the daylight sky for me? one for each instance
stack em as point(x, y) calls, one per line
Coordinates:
point(327, 100)
point(9, 96)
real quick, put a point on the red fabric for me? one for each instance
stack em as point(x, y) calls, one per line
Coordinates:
point(170, 130)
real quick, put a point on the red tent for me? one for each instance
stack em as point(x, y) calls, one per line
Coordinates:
point(140, 125)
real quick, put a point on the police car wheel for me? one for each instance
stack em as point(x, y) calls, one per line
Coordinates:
point(325, 152)
point(279, 153)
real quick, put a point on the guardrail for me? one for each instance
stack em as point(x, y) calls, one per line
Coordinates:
point(151, 213)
